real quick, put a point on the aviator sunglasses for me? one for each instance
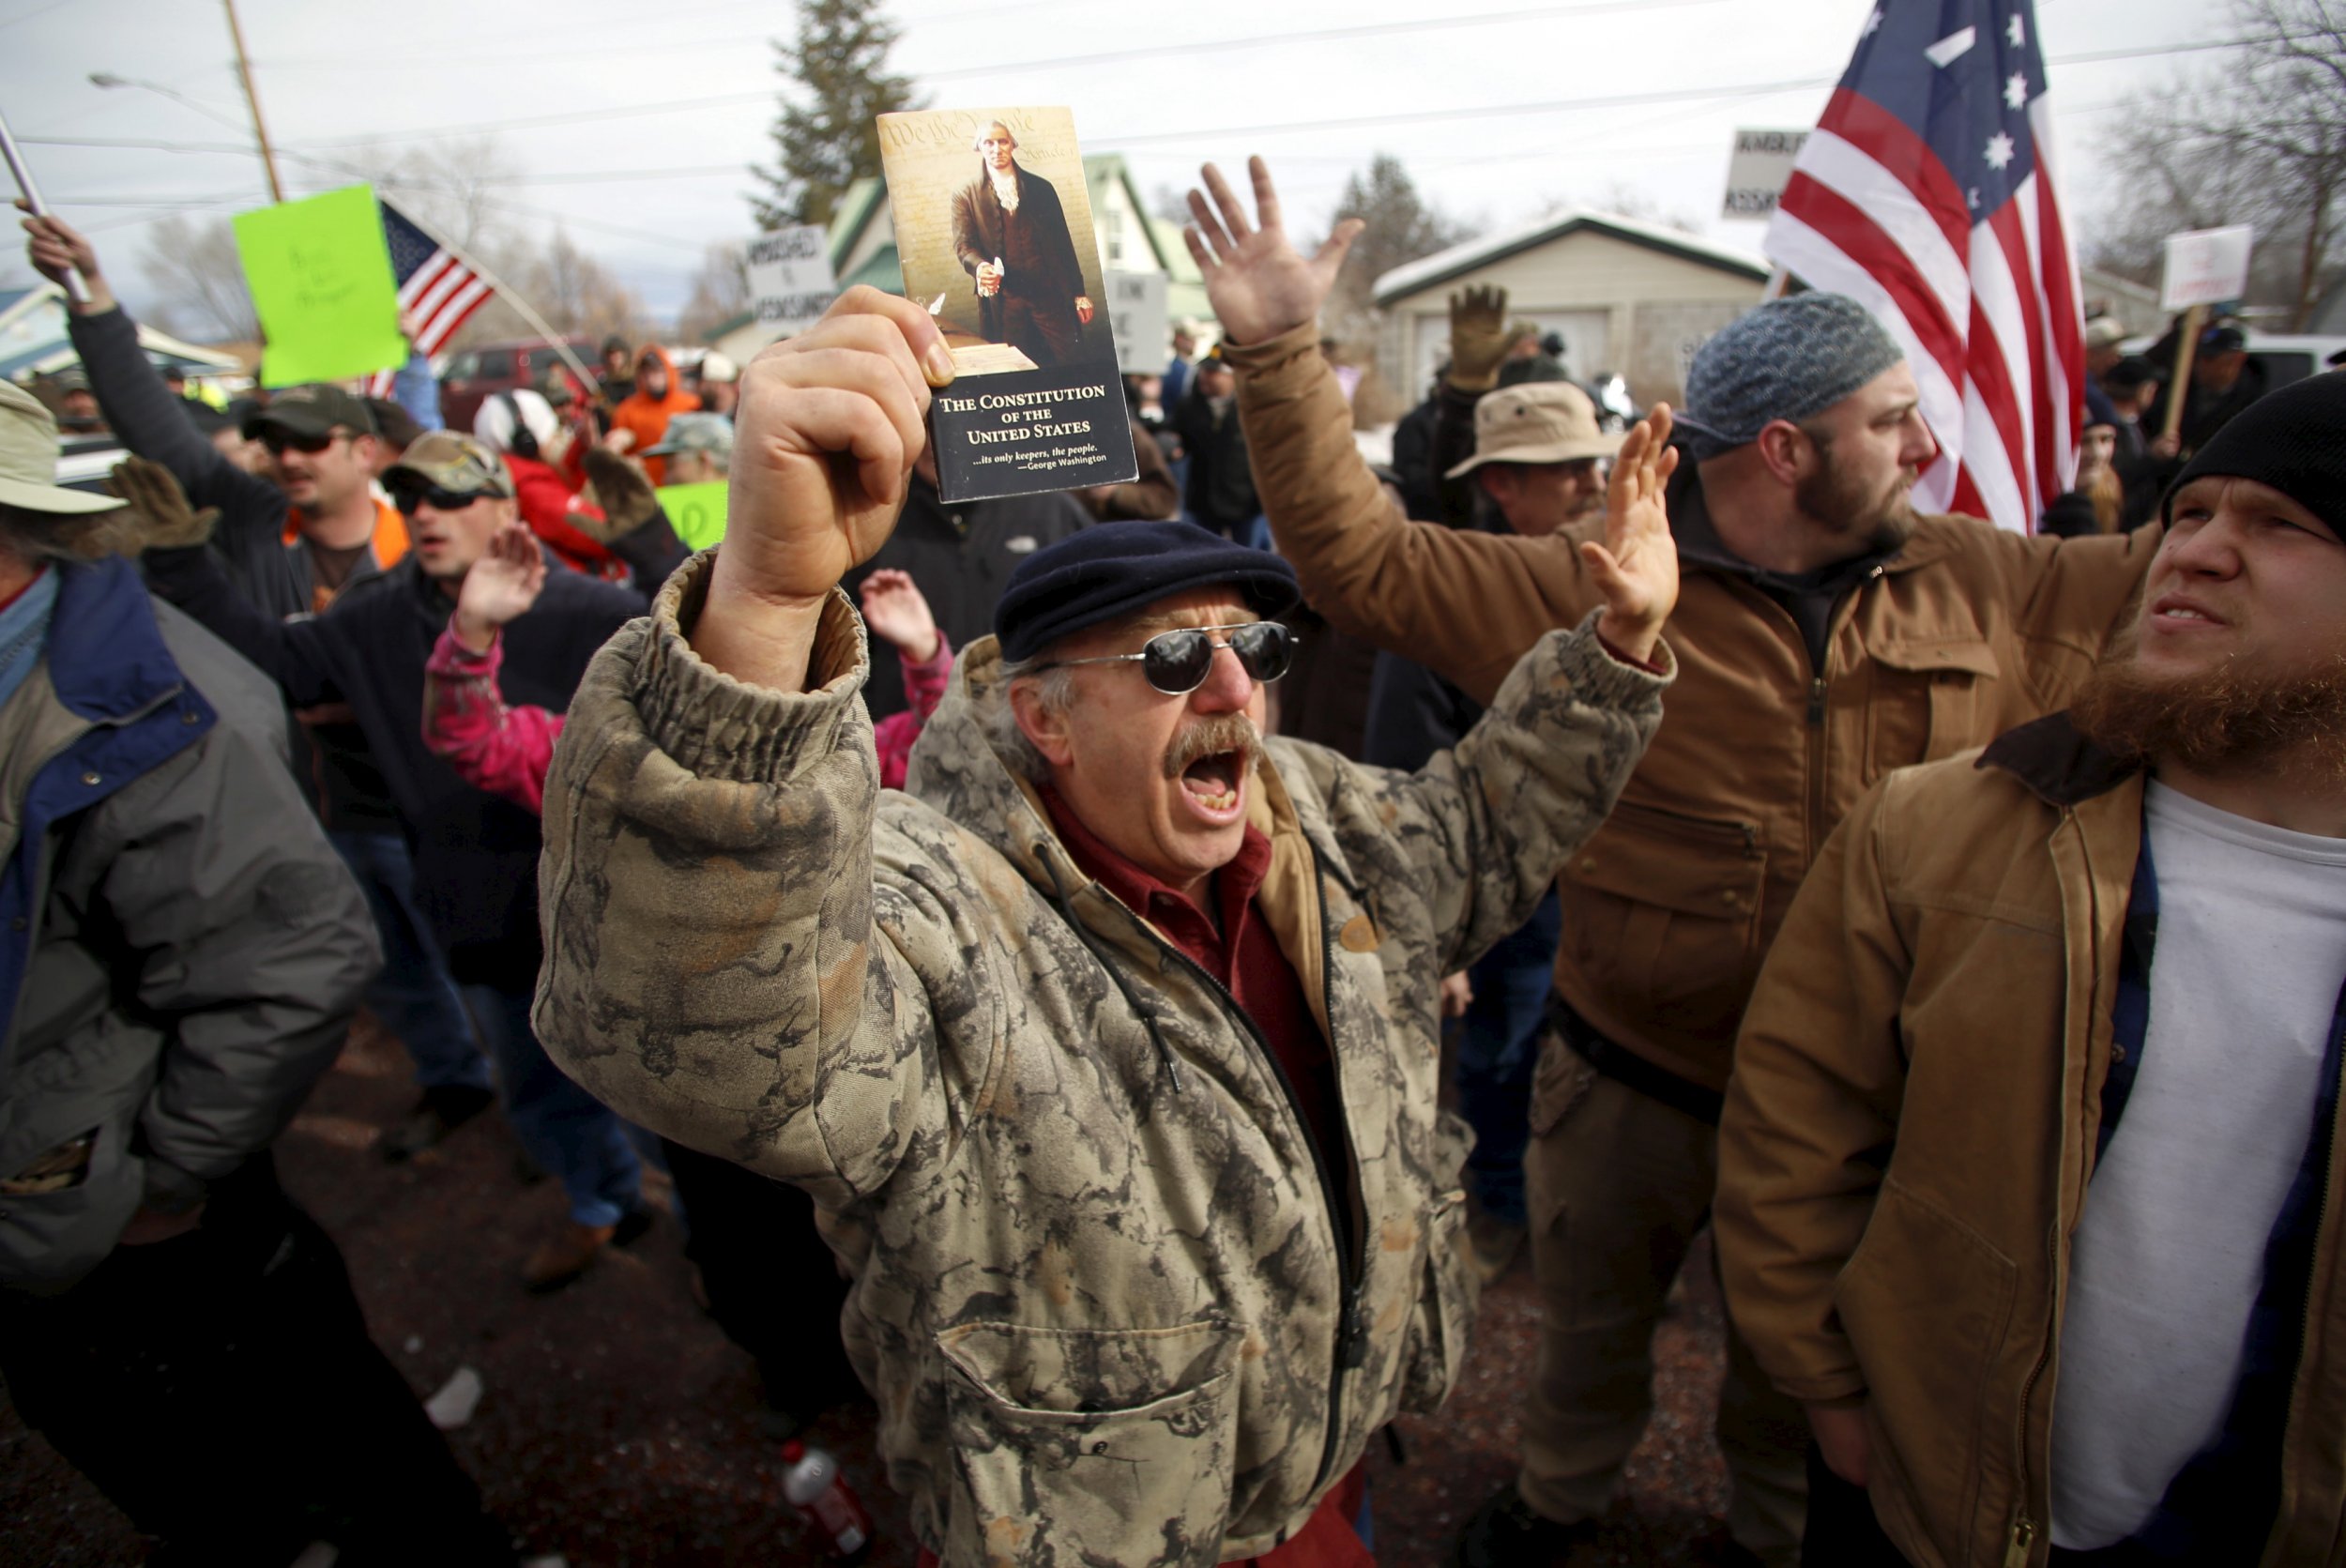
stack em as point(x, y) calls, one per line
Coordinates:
point(1177, 663)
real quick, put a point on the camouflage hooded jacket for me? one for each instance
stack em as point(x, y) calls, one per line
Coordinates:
point(1103, 1290)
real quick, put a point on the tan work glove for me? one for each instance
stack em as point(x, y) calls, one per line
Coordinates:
point(160, 516)
point(621, 490)
point(1478, 338)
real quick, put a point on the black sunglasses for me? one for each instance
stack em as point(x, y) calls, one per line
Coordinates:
point(1177, 663)
point(408, 497)
point(278, 440)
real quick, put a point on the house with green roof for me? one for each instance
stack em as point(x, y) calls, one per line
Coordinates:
point(1627, 298)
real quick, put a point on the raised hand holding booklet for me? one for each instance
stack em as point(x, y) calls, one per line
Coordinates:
point(993, 225)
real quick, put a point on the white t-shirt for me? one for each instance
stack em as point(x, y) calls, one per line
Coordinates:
point(2170, 1254)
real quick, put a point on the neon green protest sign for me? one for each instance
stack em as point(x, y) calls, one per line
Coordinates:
point(695, 512)
point(320, 274)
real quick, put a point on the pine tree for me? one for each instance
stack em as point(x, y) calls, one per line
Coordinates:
point(826, 136)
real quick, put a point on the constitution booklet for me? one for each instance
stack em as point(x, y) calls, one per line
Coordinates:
point(993, 222)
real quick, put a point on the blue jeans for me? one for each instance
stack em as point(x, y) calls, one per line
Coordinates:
point(413, 997)
point(1499, 1044)
point(571, 1135)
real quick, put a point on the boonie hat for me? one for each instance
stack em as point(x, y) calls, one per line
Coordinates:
point(314, 411)
point(453, 462)
point(695, 433)
point(28, 459)
point(1540, 421)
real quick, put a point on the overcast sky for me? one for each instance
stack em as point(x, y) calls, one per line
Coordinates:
point(631, 124)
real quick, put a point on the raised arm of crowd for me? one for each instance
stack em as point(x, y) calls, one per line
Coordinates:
point(1046, 1043)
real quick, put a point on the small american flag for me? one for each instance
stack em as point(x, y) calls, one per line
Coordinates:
point(435, 284)
point(1928, 193)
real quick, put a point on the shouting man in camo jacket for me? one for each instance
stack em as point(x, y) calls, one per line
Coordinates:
point(1113, 1045)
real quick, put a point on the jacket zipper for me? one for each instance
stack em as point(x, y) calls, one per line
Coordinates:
point(1351, 1348)
point(2023, 1540)
point(1718, 827)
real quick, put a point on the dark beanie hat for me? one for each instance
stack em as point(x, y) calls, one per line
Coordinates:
point(2294, 439)
point(1112, 569)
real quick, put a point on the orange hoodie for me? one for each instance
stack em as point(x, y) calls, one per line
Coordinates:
point(647, 417)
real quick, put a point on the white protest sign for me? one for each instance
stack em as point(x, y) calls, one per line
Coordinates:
point(2205, 266)
point(1136, 316)
point(1758, 170)
point(790, 279)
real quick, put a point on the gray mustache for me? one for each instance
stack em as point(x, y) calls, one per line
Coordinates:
point(1226, 732)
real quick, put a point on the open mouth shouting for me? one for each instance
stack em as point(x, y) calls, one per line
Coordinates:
point(1212, 760)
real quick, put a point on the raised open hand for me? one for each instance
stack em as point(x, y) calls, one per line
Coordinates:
point(1636, 565)
point(501, 587)
point(619, 489)
point(893, 608)
point(1259, 285)
point(1478, 338)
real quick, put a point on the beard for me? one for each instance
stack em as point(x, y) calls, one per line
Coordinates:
point(1837, 500)
point(2232, 718)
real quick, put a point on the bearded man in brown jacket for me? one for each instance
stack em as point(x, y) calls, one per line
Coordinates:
point(2028, 1178)
point(1826, 634)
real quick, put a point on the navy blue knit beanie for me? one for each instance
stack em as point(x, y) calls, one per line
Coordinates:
point(1112, 569)
point(2294, 439)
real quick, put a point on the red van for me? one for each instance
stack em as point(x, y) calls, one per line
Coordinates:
point(475, 375)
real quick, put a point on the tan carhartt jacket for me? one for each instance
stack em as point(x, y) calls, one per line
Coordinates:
point(1911, 1130)
point(1103, 1290)
point(1668, 912)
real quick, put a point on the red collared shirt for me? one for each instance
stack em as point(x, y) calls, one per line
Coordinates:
point(1242, 954)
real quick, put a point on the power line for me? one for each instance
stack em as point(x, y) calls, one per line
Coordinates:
point(1418, 117)
point(1150, 52)
point(1616, 100)
point(1732, 92)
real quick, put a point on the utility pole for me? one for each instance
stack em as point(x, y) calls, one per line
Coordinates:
point(260, 131)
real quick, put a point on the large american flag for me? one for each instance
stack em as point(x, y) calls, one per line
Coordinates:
point(435, 283)
point(1928, 193)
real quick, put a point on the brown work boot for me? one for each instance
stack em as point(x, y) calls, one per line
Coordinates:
point(572, 1250)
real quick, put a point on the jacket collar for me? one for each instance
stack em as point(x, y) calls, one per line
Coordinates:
point(1698, 542)
point(956, 771)
point(107, 660)
point(2057, 762)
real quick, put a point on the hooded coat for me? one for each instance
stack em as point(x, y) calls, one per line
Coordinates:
point(646, 417)
point(1104, 1289)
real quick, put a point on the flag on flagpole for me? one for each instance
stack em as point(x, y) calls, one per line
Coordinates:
point(436, 285)
point(1928, 193)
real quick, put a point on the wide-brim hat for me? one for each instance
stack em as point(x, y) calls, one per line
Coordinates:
point(28, 460)
point(1538, 421)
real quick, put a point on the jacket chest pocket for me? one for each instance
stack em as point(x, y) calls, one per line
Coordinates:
point(1662, 912)
point(1090, 1445)
point(1928, 700)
